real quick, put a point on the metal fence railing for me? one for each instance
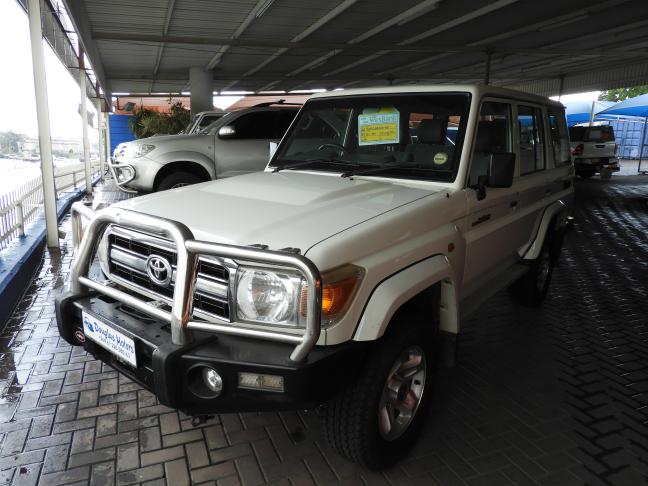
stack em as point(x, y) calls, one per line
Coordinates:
point(20, 206)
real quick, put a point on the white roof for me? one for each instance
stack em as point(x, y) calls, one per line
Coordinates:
point(477, 90)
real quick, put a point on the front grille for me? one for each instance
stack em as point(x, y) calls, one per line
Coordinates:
point(127, 259)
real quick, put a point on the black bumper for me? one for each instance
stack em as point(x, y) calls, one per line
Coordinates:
point(166, 369)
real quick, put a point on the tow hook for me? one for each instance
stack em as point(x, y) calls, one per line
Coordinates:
point(198, 420)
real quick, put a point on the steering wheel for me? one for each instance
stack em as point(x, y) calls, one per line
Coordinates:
point(333, 145)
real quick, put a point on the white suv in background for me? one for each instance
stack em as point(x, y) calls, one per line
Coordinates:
point(236, 143)
point(594, 150)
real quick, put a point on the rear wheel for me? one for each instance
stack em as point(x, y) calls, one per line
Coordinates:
point(178, 179)
point(586, 173)
point(377, 418)
point(532, 288)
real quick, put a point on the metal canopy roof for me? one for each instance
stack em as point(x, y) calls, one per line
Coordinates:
point(263, 45)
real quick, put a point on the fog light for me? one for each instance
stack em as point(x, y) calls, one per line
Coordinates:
point(212, 380)
point(254, 381)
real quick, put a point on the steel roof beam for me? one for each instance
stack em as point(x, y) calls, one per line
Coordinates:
point(333, 13)
point(396, 48)
point(165, 30)
point(79, 17)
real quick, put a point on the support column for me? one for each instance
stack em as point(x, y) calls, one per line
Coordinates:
point(487, 73)
point(101, 146)
point(107, 118)
point(202, 90)
point(84, 123)
point(42, 115)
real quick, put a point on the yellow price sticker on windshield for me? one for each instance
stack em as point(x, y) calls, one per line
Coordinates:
point(379, 128)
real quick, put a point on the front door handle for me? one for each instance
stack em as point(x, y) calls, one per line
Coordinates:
point(482, 219)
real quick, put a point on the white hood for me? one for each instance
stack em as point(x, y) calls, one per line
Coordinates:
point(284, 209)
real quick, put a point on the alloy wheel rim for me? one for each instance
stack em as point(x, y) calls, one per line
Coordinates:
point(179, 184)
point(402, 393)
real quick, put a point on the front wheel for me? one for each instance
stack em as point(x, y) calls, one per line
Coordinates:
point(178, 179)
point(377, 418)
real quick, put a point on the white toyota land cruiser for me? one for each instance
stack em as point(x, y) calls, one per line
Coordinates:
point(330, 278)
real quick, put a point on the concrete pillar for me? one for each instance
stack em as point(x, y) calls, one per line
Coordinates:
point(42, 115)
point(84, 123)
point(202, 88)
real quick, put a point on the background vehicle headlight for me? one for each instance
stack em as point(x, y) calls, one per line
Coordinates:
point(139, 150)
point(268, 296)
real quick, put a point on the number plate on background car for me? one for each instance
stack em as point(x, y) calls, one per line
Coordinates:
point(114, 341)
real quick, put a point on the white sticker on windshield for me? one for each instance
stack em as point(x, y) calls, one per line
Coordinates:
point(380, 127)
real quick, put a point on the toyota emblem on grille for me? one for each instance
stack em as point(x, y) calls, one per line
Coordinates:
point(159, 270)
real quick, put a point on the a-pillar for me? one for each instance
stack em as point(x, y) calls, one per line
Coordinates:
point(202, 87)
point(42, 116)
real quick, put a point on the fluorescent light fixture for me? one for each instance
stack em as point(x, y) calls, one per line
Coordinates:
point(235, 93)
point(185, 93)
point(307, 91)
point(263, 8)
point(121, 94)
point(271, 92)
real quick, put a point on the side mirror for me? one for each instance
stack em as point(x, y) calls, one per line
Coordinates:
point(502, 168)
point(273, 148)
point(228, 131)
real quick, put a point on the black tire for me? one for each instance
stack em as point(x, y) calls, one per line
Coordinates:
point(586, 174)
point(531, 289)
point(178, 179)
point(606, 174)
point(351, 419)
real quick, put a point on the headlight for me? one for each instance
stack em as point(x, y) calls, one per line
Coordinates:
point(269, 296)
point(139, 150)
point(102, 254)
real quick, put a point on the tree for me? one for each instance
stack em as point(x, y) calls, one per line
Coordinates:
point(11, 142)
point(145, 122)
point(621, 94)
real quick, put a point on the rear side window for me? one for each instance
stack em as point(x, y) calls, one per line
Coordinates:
point(531, 139)
point(258, 125)
point(559, 137)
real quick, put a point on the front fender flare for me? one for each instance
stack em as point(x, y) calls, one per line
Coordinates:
point(399, 288)
point(189, 156)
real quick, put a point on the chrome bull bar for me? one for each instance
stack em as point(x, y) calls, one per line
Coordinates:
point(114, 167)
point(85, 242)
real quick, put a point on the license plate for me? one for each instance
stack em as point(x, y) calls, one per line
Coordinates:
point(114, 341)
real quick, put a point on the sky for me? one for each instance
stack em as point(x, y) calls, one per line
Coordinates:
point(17, 104)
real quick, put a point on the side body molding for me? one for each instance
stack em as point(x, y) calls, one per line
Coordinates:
point(392, 293)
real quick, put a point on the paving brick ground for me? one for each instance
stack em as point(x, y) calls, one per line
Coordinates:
point(557, 395)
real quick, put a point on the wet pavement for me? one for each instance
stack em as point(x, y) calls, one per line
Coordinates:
point(556, 395)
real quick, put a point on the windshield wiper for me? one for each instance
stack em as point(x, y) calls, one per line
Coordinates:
point(331, 161)
point(383, 168)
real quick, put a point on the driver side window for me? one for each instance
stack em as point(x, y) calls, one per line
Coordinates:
point(493, 136)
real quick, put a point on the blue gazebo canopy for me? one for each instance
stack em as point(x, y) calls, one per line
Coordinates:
point(637, 106)
point(581, 111)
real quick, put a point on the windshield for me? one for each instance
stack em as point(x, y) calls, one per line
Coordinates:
point(413, 136)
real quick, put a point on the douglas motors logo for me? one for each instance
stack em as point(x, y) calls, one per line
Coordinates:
point(108, 336)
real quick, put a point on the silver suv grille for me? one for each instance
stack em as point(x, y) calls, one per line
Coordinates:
point(127, 261)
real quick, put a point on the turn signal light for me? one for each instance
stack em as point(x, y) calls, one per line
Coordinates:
point(337, 291)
